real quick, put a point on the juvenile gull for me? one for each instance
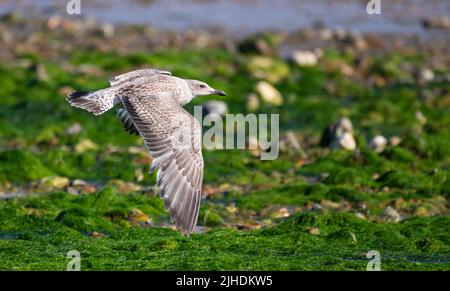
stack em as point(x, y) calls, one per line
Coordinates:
point(153, 101)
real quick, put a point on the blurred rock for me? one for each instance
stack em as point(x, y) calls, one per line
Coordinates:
point(215, 107)
point(138, 218)
point(54, 22)
point(345, 141)
point(394, 140)
point(263, 44)
point(304, 58)
point(125, 187)
point(55, 182)
point(12, 17)
point(360, 215)
point(267, 68)
point(378, 143)
point(442, 22)
point(314, 231)
point(316, 207)
point(390, 215)
point(252, 102)
point(138, 150)
point(107, 29)
point(96, 234)
point(80, 186)
point(420, 117)
point(339, 135)
point(290, 144)
point(325, 33)
point(281, 213)
point(253, 145)
point(85, 145)
point(426, 75)
point(65, 90)
point(268, 93)
point(74, 129)
point(41, 72)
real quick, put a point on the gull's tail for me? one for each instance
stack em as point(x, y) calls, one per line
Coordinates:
point(96, 102)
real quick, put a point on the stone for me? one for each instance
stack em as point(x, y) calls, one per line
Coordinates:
point(426, 75)
point(390, 215)
point(378, 143)
point(137, 218)
point(267, 68)
point(55, 182)
point(74, 129)
point(268, 93)
point(125, 187)
point(304, 58)
point(281, 213)
point(420, 117)
point(314, 231)
point(442, 22)
point(252, 102)
point(107, 29)
point(339, 135)
point(394, 140)
point(85, 145)
point(215, 107)
point(360, 215)
point(344, 141)
point(289, 143)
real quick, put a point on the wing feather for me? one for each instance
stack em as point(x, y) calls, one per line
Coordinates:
point(173, 138)
point(119, 79)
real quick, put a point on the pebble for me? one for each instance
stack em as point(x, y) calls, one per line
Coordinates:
point(314, 231)
point(137, 217)
point(304, 58)
point(252, 102)
point(378, 143)
point(85, 145)
point(442, 22)
point(55, 182)
point(268, 93)
point(390, 215)
point(215, 107)
point(74, 129)
point(394, 140)
point(344, 141)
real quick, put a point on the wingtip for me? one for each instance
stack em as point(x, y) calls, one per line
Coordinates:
point(77, 94)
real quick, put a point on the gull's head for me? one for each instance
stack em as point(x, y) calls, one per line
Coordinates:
point(199, 88)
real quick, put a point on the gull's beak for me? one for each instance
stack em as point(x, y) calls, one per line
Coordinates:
point(218, 92)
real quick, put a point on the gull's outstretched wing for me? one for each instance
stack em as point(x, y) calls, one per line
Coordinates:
point(134, 74)
point(173, 137)
point(127, 123)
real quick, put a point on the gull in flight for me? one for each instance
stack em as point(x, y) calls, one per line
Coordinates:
point(153, 103)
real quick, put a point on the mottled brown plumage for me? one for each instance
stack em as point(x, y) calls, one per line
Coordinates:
point(152, 101)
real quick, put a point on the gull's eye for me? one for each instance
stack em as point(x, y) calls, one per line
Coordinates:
point(202, 86)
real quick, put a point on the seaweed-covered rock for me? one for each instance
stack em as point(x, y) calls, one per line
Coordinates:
point(21, 166)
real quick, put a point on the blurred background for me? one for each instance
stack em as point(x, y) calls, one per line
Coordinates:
point(240, 17)
point(364, 143)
